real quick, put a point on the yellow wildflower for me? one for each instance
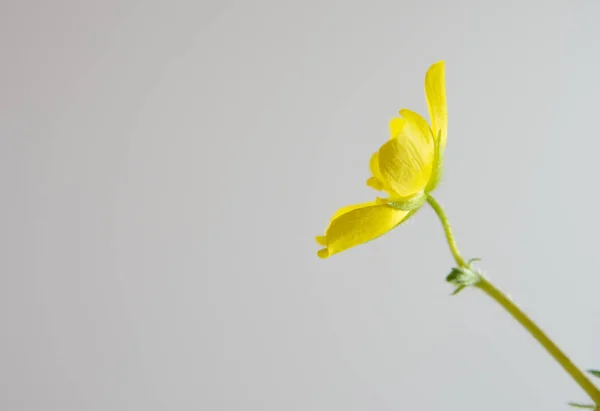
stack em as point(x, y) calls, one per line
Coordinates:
point(407, 167)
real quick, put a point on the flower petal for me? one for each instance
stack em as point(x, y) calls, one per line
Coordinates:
point(435, 90)
point(396, 125)
point(417, 125)
point(357, 224)
point(405, 162)
point(376, 181)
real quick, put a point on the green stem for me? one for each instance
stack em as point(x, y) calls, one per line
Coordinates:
point(535, 331)
point(448, 230)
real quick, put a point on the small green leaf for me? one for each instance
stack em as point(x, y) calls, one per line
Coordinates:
point(595, 373)
point(454, 275)
point(458, 289)
point(463, 277)
point(472, 260)
point(588, 406)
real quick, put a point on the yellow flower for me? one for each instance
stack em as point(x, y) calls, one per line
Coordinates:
point(407, 167)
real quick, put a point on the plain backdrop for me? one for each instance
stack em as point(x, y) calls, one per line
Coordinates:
point(165, 166)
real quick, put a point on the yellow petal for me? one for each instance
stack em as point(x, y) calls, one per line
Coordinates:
point(374, 166)
point(346, 210)
point(435, 90)
point(376, 181)
point(406, 162)
point(321, 240)
point(396, 125)
point(357, 224)
point(414, 124)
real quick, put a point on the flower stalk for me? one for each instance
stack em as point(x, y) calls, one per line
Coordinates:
point(505, 302)
point(448, 230)
point(535, 331)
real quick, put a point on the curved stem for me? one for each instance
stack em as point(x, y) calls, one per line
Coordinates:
point(448, 230)
point(535, 331)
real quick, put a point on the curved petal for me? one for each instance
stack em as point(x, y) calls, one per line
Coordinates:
point(417, 125)
point(358, 224)
point(374, 166)
point(435, 90)
point(406, 162)
point(396, 125)
point(376, 181)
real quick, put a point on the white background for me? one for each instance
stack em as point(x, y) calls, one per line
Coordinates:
point(165, 167)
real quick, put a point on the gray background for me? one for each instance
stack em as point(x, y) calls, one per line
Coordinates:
point(165, 167)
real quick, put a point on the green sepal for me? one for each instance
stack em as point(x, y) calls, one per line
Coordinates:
point(595, 373)
point(410, 204)
point(438, 164)
point(462, 277)
point(472, 260)
point(458, 289)
point(587, 406)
